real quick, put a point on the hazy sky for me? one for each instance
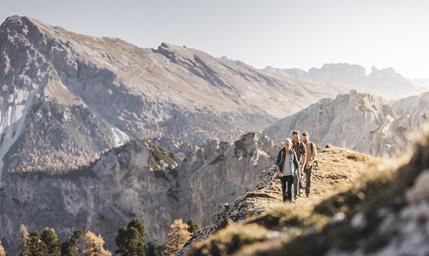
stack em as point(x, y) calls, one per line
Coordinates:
point(279, 33)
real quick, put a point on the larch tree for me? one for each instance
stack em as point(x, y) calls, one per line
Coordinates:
point(94, 245)
point(23, 241)
point(2, 250)
point(177, 237)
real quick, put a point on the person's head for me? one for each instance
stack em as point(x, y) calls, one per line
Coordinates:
point(305, 136)
point(287, 143)
point(295, 135)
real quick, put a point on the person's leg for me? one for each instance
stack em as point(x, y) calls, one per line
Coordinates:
point(308, 172)
point(298, 181)
point(283, 182)
point(295, 185)
point(301, 179)
point(290, 182)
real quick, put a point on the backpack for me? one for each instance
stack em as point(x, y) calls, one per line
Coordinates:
point(312, 147)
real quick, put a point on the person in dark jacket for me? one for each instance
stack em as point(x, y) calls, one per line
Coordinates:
point(287, 165)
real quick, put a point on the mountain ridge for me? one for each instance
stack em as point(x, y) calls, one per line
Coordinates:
point(48, 73)
point(385, 82)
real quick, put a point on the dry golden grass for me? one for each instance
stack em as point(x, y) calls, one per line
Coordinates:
point(338, 170)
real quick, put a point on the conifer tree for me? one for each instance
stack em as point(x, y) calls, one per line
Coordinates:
point(192, 227)
point(72, 246)
point(36, 246)
point(130, 239)
point(153, 250)
point(50, 238)
point(177, 237)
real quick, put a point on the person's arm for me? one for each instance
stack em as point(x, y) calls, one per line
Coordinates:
point(303, 153)
point(314, 152)
point(295, 162)
point(278, 160)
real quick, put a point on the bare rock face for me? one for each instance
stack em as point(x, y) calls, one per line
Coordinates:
point(139, 179)
point(358, 121)
point(78, 96)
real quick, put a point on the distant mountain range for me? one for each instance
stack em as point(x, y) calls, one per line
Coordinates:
point(384, 82)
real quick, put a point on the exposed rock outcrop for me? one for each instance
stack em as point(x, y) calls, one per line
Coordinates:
point(78, 96)
point(139, 179)
point(358, 121)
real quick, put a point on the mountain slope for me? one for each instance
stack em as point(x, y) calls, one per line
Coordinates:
point(261, 214)
point(359, 121)
point(156, 180)
point(386, 213)
point(89, 94)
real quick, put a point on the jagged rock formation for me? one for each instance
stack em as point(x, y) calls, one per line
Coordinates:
point(73, 97)
point(384, 82)
point(414, 110)
point(139, 179)
point(358, 121)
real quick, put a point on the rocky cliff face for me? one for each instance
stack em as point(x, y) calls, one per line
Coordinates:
point(139, 179)
point(384, 82)
point(73, 97)
point(359, 121)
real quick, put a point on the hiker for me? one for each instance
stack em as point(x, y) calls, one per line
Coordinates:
point(286, 165)
point(311, 150)
point(301, 154)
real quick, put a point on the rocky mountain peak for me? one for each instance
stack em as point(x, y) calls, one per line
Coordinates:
point(385, 82)
point(19, 24)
